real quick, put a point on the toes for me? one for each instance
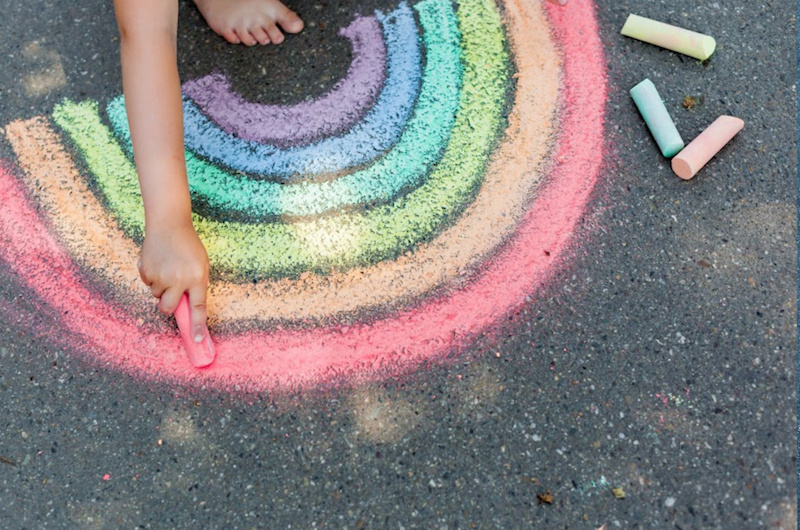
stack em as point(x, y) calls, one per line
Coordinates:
point(245, 37)
point(290, 22)
point(260, 35)
point(231, 37)
point(274, 33)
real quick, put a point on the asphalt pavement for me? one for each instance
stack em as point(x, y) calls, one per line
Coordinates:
point(650, 383)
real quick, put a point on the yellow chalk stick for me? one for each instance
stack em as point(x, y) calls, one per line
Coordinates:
point(670, 37)
point(703, 148)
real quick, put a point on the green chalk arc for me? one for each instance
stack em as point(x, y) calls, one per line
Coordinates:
point(339, 242)
point(231, 196)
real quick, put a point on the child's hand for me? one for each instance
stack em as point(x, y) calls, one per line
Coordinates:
point(174, 261)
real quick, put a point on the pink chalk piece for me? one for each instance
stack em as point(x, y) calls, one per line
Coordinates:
point(106, 476)
point(201, 354)
point(697, 154)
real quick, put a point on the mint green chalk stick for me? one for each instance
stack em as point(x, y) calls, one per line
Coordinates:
point(657, 118)
point(670, 37)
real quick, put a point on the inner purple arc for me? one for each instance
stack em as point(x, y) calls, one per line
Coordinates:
point(306, 122)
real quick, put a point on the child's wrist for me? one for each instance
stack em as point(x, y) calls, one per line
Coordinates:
point(169, 222)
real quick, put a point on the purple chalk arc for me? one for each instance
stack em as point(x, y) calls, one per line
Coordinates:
point(304, 122)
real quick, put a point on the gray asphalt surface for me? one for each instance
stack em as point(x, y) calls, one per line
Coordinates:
point(661, 360)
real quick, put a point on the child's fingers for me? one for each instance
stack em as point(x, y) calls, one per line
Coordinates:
point(198, 313)
point(157, 290)
point(143, 273)
point(169, 300)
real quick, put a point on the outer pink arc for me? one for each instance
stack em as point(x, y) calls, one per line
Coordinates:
point(261, 361)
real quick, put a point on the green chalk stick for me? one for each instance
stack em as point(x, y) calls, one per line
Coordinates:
point(670, 37)
point(657, 118)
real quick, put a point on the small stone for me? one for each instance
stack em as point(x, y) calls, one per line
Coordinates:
point(669, 502)
point(618, 493)
point(546, 498)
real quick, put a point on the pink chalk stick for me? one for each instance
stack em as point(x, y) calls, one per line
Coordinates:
point(694, 156)
point(558, 2)
point(201, 354)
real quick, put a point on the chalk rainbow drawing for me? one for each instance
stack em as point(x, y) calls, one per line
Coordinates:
point(428, 194)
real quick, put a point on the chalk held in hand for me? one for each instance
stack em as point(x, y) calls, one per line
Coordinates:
point(201, 354)
point(670, 37)
point(657, 118)
point(704, 147)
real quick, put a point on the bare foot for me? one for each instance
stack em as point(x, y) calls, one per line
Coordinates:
point(249, 21)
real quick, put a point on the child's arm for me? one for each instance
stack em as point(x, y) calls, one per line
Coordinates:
point(173, 259)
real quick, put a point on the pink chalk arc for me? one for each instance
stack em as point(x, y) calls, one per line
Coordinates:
point(262, 361)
